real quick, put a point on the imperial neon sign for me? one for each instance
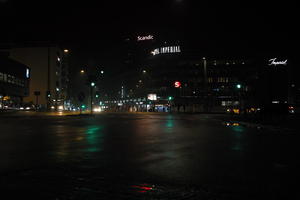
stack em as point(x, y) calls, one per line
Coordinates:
point(274, 62)
point(143, 38)
point(164, 50)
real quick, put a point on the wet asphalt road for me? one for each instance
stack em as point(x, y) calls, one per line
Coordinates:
point(144, 156)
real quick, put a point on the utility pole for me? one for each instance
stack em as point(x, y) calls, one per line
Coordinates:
point(205, 84)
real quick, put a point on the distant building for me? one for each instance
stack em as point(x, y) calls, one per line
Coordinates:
point(179, 75)
point(49, 74)
point(14, 82)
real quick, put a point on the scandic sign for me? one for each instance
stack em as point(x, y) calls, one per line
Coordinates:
point(143, 38)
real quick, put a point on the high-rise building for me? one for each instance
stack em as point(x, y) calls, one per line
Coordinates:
point(49, 74)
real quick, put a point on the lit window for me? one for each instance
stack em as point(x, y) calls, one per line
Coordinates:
point(27, 73)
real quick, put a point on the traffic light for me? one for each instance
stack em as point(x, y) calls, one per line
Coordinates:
point(238, 86)
point(170, 98)
point(97, 95)
point(83, 106)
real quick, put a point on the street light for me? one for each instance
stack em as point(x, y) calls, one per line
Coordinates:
point(82, 71)
point(92, 85)
point(238, 86)
point(102, 72)
point(66, 50)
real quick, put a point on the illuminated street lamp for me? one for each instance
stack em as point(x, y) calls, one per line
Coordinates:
point(238, 86)
point(102, 72)
point(82, 71)
point(66, 50)
point(92, 86)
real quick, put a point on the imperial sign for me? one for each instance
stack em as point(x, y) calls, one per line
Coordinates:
point(274, 62)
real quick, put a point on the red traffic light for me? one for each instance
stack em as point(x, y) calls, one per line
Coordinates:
point(177, 84)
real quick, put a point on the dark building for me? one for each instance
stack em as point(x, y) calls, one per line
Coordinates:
point(14, 82)
point(182, 78)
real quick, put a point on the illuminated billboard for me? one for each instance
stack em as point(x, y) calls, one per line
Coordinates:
point(152, 97)
point(165, 50)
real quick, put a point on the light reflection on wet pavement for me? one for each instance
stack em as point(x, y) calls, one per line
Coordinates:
point(126, 156)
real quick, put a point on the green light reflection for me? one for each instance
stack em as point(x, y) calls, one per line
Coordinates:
point(94, 137)
point(238, 133)
point(169, 123)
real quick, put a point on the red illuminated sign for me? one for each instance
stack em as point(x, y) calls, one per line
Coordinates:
point(177, 84)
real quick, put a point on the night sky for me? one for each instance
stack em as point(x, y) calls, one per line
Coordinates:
point(94, 31)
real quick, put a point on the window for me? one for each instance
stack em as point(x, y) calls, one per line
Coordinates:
point(8, 78)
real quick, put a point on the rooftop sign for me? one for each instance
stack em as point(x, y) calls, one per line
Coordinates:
point(163, 50)
point(143, 38)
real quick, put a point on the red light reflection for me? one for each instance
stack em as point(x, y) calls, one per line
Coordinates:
point(142, 188)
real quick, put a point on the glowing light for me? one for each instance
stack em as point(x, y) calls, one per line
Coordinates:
point(177, 84)
point(239, 86)
point(92, 84)
point(60, 107)
point(27, 73)
point(82, 71)
point(143, 38)
point(275, 63)
point(52, 107)
point(58, 59)
point(66, 50)
point(164, 50)
point(98, 109)
point(27, 108)
point(152, 97)
point(102, 72)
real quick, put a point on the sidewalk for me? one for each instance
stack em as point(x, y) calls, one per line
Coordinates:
point(286, 123)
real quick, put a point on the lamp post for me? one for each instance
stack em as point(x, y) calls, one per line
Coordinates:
point(92, 86)
point(239, 87)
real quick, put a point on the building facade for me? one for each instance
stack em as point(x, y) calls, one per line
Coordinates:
point(14, 82)
point(49, 74)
